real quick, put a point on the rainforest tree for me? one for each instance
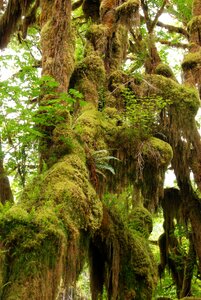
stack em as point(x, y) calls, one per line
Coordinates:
point(136, 119)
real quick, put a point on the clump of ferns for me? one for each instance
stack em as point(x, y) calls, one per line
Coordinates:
point(99, 165)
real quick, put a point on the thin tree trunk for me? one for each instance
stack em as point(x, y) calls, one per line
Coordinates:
point(5, 189)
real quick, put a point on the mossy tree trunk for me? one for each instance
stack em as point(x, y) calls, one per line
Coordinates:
point(57, 46)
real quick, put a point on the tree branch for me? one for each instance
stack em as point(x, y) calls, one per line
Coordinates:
point(172, 44)
point(146, 14)
point(158, 14)
point(172, 28)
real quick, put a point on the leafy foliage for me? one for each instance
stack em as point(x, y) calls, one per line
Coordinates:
point(143, 113)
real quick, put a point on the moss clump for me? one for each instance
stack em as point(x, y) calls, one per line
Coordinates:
point(128, 8)
point(88, 128)
point(97, 36)
point(159, 151)
point(140, 220)
point(89, 77)
point(165, 71)
point(191, 61)
point(91, 67)
point(184, 99)
point(67, 184)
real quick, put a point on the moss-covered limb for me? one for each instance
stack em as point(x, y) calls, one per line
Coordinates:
point(183, 98)
point(191, 68)
point(41, 235)
point(127, 269)
point(153, 59)
point(35, 246)
point(117, 49)
point(128, 9)
point(57, 61)
point(89, 77)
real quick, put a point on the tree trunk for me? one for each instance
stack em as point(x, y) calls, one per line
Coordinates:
point(5, 189)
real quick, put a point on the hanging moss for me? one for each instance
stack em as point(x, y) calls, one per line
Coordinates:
point(157, 155)
point(128, 269)
point(11, 18)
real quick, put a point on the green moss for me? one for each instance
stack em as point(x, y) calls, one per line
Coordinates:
point(159, 151)
point(117, 83)
point(140, 220)
point(165, 71)
point(39, 240)
point(89, 77)
point(89, 90)
point(119, 48)
point(191, 60)
point(89, 128)
point(93, 68)
point(184, 99)
point(97, 35)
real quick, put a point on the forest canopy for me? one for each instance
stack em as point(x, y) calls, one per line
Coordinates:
point(99, 99)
